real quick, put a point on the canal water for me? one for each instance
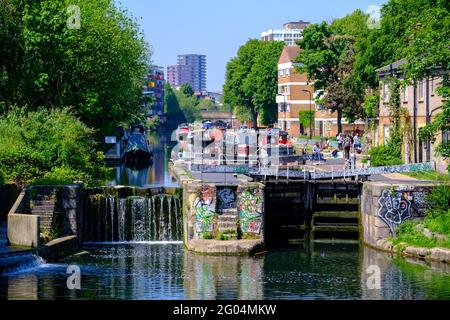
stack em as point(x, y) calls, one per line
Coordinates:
point(153, 174)
point(113, 267)
point(167, 271)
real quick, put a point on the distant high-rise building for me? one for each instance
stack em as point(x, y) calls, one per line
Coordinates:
point(290, 34)
point(154, 87)
point(190, 69)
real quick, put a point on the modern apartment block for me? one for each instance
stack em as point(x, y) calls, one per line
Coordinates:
point(191, 69)
point(290, 34)
point(172, 75)
point(154, 87)
point(423, 103)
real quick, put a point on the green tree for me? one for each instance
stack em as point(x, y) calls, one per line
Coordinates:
point(206, 104)
point(172, 108)
point(327, 57)
point(11, 53)
point(306, 118)
point(187, 90)
point(189, 106)
point(251, 81)
point(96, 69)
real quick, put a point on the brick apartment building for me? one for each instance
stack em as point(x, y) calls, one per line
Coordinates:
point(422, 103)
point(294, 93)
point(291, 98)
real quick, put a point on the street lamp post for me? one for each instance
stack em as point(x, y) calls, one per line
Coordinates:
point(310, 112)
point(285, 109)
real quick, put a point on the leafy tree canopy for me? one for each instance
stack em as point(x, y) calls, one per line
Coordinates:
point(96, 69)
point(251, 81)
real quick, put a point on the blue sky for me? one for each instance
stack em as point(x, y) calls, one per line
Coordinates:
point(217, 28)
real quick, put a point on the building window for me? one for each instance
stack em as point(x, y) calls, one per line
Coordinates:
point(282, 107)
point(446, 137)
point(287, 89)
point(385, 134)
point(433, 86)
point(405, 94)
point(385, 90)
point(421, 90)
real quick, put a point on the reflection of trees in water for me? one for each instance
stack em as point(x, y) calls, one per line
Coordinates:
point(153, 173)
point(222, 277)
point(401, 279)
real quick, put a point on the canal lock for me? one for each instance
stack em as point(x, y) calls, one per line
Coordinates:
point(298, 211)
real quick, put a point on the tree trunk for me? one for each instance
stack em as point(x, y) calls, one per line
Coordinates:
point(255, 120)
point(339, 120)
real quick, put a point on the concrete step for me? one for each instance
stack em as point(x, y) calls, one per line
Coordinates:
point(336, 214)
point(43, 208)
point(40, 198)
point(228, 218)
point(43, 201)
point(226, 225)
point(335, 228)
point(42, 213)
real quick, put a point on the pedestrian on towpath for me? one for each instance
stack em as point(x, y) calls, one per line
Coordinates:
point(347, 146)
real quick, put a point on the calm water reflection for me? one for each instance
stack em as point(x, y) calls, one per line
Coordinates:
point(155, 174)
point(156, 271)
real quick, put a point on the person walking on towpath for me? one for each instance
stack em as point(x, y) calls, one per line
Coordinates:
point(347, 146)
point(340, 140)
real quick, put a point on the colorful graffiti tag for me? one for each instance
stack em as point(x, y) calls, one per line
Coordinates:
point(205, 211)
point(395, 208)
point(250, 211)
point(227, 198)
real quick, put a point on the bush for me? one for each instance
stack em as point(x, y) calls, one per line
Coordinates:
point(383, 156)
point(408, 233)
point(153, 123)
point(207, 236)
point(60, 176)
point(438, 201)
point(34, 145)
point(440, 224)
point(2, 177)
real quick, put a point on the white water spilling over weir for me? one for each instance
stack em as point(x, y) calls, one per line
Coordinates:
point(112, 218)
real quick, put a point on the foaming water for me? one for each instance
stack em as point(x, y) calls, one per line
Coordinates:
point(119, 243)
point(20, 263)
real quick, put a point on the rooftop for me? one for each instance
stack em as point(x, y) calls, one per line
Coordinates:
point(289, 54)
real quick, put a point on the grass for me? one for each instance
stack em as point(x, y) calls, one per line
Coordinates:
point(429, 175)
point(440, 224)
point(412, 235)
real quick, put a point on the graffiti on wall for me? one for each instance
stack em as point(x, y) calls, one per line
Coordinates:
point(227, 198)
point(205, 210)
point(395, 208)
point(250, 207)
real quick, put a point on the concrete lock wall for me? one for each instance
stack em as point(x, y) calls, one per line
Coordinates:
point(384, 207)
point(24, 226)
point(212, 210)
point(23, 230)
